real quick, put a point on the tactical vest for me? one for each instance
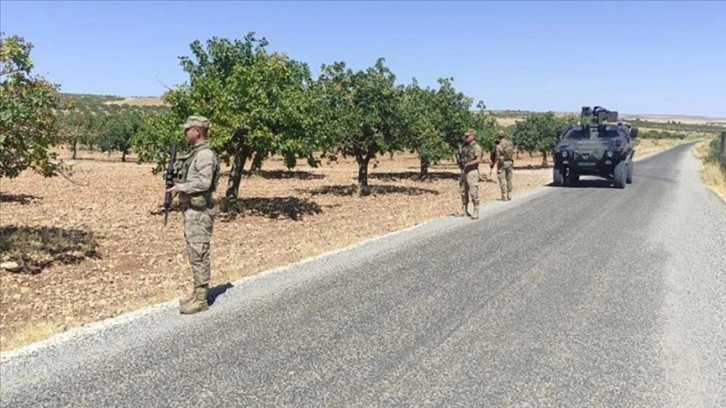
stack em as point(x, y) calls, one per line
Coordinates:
point(467, 154)
point(507, 150)
point(184, 163)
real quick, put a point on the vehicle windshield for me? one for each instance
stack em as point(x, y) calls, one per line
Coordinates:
point(583, 134)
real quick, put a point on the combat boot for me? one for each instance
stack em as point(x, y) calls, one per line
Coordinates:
point(198, 302)
point(475, 214)
point(464, 211)
point(186, 299)
point(509, 196)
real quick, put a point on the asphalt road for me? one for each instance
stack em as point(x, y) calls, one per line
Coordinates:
point(577, 297)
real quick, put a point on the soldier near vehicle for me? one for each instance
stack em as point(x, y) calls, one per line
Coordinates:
point(504, 160)
point(197, 178)
point(468, 159)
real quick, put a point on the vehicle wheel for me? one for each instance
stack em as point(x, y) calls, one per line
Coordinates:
point(629, 176)
point(619, 175)
point(558, 176)
point(573, 177)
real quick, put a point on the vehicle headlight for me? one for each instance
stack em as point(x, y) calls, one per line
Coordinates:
point(564, 153)
point(610, 154)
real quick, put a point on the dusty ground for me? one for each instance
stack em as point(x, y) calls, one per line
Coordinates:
point(107, 251)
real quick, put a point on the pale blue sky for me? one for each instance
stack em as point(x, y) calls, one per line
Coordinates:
point(634, 57)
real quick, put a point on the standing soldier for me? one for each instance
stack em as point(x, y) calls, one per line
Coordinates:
point(468, 158)
point(198, 176)
point(504, 159)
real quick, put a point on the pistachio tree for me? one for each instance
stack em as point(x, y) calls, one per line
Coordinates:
point(258, 103)
point(421, 122)
point(536, 133)
point(119, 130)
point(435, 121)
point(79, 127)
point(28, 114)
point(362, 114)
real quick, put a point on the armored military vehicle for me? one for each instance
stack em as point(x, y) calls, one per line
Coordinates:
point(598, 145)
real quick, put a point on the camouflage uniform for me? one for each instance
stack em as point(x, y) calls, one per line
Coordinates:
point(504, 167)
point(198, 172)
point(469, 178)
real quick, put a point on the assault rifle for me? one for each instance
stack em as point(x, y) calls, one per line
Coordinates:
point(460, 160)
point(170, 173)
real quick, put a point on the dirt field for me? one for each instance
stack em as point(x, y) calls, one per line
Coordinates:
point(108, 251)
point(140, 101)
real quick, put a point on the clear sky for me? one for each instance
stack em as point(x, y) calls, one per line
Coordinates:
point(634, 57)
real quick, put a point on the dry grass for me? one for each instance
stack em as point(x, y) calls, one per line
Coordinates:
point(712, 174)
point(150, 101)
point(685, 119)
point(647, 146)
point(505, 122)
point(126, 259)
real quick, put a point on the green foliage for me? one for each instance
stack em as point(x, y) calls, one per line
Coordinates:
point(538, 131)
point(28, 123)
point(363, 112)
point(420, 120)
point(654, 134)
point(438, 119)
point(486, 126)
point(119, 131)
point(259, 103)
point(151, 143)
point(85, 120)
point(263, 103)
point(714, 151)
point(673, 126)
point(78, 126)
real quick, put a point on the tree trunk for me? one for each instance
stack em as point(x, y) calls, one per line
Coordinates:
point(123, 156)
point(241, 153)
point(257, 161)
point(424, 169)
point(235, 178)
point(544, 158)
point(75, 149)
point(363, 160)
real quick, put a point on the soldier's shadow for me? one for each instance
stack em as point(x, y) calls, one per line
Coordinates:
point(217, 291)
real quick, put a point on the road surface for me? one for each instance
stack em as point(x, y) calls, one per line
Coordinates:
point(579, 297)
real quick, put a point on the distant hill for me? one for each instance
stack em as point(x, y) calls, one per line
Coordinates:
point(110, 104)
point(661, 118)
point(155, 102)
point(686, 119)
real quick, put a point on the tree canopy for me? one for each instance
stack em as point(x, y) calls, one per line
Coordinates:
point(28, 119)
point(257, 102)
point(262, 103)
point(538, 131)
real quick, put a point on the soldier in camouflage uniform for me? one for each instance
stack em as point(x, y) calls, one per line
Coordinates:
point(198, 174)
point(469, 157)
point(504, 160)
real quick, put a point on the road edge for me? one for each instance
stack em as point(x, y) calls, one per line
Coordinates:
point(488, 209)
